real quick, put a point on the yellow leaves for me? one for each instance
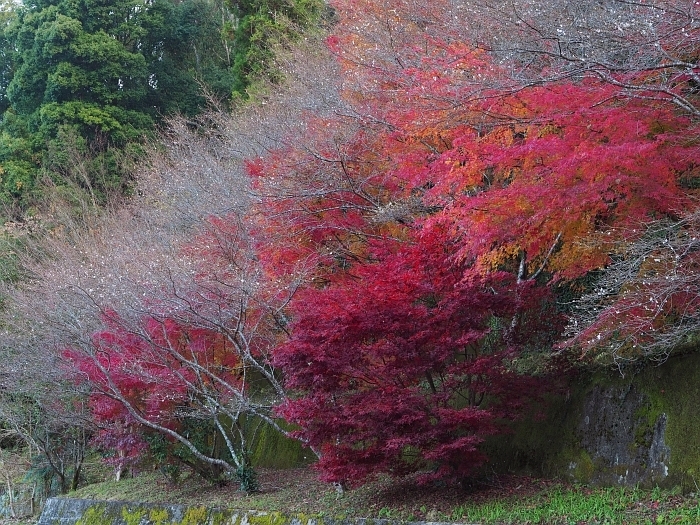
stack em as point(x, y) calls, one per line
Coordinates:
point(576, 255)
point(495, 259)
point(547, 130)
point(578, 248)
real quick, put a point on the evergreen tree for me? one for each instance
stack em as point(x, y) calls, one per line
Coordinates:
point(92, 77)
point(81, 64)
point(261, 25)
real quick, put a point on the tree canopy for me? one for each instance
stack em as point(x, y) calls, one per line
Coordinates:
point(97, 76)
point(407, 238)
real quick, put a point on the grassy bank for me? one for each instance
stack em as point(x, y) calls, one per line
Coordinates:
point(516, 500)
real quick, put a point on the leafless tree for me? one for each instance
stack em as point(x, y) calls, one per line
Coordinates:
point(177, 251)
point(42, 413)
point(649, 49)
point(645, 304)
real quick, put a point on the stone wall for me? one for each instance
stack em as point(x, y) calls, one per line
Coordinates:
point(67, 511)
point(624, 445)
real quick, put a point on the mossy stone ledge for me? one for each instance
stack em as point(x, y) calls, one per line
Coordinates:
point(642, 429)
point(71, 511)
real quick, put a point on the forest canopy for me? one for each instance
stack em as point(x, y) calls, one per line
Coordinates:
point(93, 79)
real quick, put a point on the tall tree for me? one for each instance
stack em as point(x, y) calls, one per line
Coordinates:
point(96, 76)
point(7, 14)
point(171, 300)
point(443, 162)
point(262, 25)
point(80, 65)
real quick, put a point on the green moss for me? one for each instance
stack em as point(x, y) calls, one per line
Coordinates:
point(674, 389)
point(95, 515)
point(219, 518)
point(132, 517)
point(551, 446)
point(158, 516)
point(671, 389)
point(268, 518)
point(304, 518)
point(543, 442)
point(581, 466)
point(270, 449)
point(194, 516)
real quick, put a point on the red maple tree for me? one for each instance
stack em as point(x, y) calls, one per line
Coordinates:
point(426, 222)
point(404, 366)
point(442, 199)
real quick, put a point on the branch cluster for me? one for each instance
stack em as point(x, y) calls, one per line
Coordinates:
point(645, 303)
point(648, 49)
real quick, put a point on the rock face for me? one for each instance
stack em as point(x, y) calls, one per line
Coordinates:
point(59, 511)
point(642, 428)
point(615, 433)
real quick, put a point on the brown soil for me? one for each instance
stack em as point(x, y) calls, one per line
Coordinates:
point(299, 490)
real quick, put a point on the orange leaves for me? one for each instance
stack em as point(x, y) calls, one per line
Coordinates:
point(536, 174)
point(571, 172)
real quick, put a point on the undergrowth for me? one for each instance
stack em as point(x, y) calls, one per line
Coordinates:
point(505, 500)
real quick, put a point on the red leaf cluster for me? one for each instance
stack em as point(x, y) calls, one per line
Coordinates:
point(393, 369)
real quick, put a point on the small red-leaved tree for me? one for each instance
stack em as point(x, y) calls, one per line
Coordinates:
point(166, 378)
point(404, 366)
point(193, 365)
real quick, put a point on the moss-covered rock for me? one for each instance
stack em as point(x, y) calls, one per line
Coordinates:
point(640, 429)
point(68, 511)
point(271, 449)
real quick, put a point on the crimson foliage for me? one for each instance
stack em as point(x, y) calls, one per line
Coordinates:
point(404, 366)
point(154, 380)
